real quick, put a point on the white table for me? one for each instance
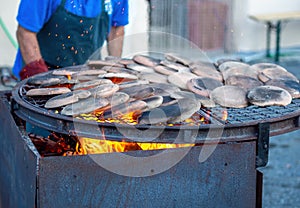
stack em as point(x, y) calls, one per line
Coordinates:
point(274, 21)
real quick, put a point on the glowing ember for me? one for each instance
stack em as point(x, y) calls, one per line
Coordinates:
point(117, 80)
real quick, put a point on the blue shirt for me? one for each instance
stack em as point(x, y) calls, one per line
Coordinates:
point(33, 14)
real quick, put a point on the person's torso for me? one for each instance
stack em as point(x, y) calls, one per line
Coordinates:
point(69, 39)
point(85, 8)
point(33, 14)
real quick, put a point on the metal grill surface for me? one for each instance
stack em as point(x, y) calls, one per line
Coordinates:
point(240, 116)
point(255, 113)
point(239, 122)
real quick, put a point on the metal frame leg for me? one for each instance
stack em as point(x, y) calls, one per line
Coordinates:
point(269, 28)
point(259, 189)
point(278, 31)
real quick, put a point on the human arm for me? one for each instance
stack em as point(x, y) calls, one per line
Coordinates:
point(115, 41)
point(31, 53)
point(119, 19)
point(28, 44)
point(31, 17)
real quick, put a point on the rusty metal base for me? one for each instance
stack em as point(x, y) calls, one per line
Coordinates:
point(227, 179)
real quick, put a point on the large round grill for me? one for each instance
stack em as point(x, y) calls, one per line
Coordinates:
point(239, 123)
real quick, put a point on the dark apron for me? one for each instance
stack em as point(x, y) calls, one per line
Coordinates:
point(68, 39)
point(63, 42)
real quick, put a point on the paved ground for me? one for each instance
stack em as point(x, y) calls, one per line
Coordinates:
point(282, 174)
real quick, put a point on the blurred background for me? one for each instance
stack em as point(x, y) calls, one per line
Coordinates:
point(215, 26)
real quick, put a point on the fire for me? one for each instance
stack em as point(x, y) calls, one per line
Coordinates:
point(154, 146)
point(117, 80)
point(59, 144)
point(84, 146)
point(224, 115)
point(132, 118)
point(128, 118)
point(65, 145)
point(221, 115)
point(96, 146)
point(69, 76)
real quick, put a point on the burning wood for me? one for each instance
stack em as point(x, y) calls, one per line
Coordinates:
point(54, 145)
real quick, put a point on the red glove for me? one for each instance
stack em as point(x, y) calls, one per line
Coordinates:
point(35, 67)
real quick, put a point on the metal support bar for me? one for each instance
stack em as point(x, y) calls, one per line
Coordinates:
point(278, 31)
point(297, 122)
point(277, 28)
point(269, 28)
point(262, 151)
point(259, 189)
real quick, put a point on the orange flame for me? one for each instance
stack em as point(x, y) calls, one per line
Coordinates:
point(117, 80)
point(224, 115)
point(96, 146)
